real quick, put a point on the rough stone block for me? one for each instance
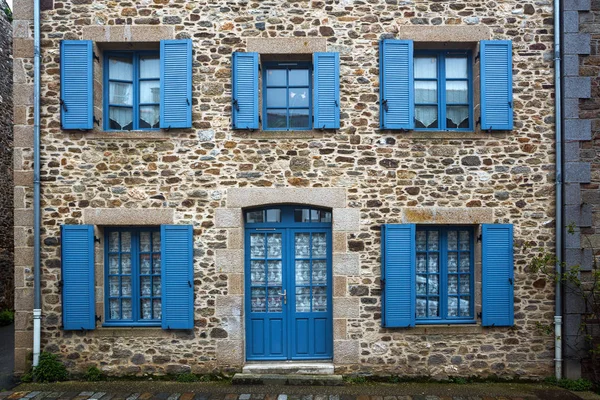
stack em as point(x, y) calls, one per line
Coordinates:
point(227, 260)
point(19, 197)
point(586, 216)
point(339, 286)
point(299, 45)
point(571, 21)
point(22, 28)
point(577, 87)
point(235, 238)
point(19, 74)
point(579, 257)
point(23, 299)
point(573, 214)
point(22, 362)
point(577, 172)
point(20, 115)
point(577, 5)
point(346, 219)
point(577, 43)
point(571, 107)
point(23, 95)
point(578, 129)
point(128, 216)
point(228, 218)
point(340, 242)
point(229, 306)
point(572, 193)
point(22, 9)
point(346, 307)
point(571, 65)
point(573, 240)
point(24, 256)
point(571, 151)
point(346, 352)
point(24, 339)
point(22, 48)
point(23, 136)
point(235, 284)
point(230, 353)
point(320, 197)
point(339, 328)
point(23, 320)
point(346, 264)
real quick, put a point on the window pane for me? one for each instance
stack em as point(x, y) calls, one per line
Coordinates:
point(298, 97)
point(456, 67)
point(298, 77)
point(425, 91)
point(457, 117)
point(452, 240)
point(452, 284)
point(426, 117)
point(120, 93)
point(156, 288)
point(126, 308)
point(126, 264)
point(257, 245)
point(302, 272)
point(258, 300)
point(319, 245)
point(465, 306)
point(149, 67)
point(465, 284)
point(432, 240)
point(145, 264)
point(149, 117)
point(319, 300)
point(433, 309)
point(121, 118)
point(144, 241)
point(432, 284)
point(433, 264)
point(276, 97)
point(277, 119)
point(145, 286)
point(299, 119)
point(156, 263)
point(319, 272)
point(452, 262)
point(257, 272)
point(113, 264)
point(421, 284)
point(115, 309)
point(421, 263)
point(425, 67)
point(421, 307)
point(126, 286)
point(302, 243)
point(146, 309)
point(276, 77)
point(275, 301)
point(274, 215)
point(114, 286)
point(126, 242)
point(464, 240)
point(421, 240)
point(457, 92)
point(274, 277)
point(452, 306)
point(254, 217)
point(150, 92)
point(274, 245)
point(156, 241)
point(302, 215)
point(302, 299)
point(325, 216)
point(157, 308)
point(113, 242)
point(120, 68)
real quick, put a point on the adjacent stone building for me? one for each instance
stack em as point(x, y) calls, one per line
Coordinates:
point(6, 160)
point(345, 183)
point(581, 126)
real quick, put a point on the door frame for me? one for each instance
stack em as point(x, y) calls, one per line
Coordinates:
point(289, 228)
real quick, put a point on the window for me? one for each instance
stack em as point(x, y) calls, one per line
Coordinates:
point(427, 275)
point(444, 275)
point(132, 91)
point(443, 90)
point(287, 96)
point(433, 90)
point(133, 277)
point(295, 95)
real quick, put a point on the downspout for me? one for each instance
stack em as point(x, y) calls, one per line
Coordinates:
point(558, 191)
point(37, 303)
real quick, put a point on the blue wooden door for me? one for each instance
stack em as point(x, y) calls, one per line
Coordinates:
point(288, 284)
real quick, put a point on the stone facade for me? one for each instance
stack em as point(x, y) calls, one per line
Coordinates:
point(206, 175)
point(581, 124)
point(6, 162)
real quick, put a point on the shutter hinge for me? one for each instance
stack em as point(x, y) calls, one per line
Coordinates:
point(478, 122)
point(98, 318)
point(61, 283)
point(63, 105)
point(477, 56)
point(187, 101)
point(479, 315)
point(189, 284)
point(384, 103)
point(96, 120)
point(96, 239)
point(479, 238)
point(259, 120)
point(510, 280)
point(236, 105)
point(96, 57)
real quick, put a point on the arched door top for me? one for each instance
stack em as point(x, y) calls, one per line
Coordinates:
point(286, 216)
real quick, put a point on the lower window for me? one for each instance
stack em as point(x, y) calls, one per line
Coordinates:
point(133, 277)
point(444, 274)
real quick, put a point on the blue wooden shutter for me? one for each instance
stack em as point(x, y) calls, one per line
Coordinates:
point(327, 90)
point(175, 84)
point(77, 261)
point(497, 275)
point(245, 91)
point(398, 255)
point(177, 265)
point(396, 82)
point(76, 84)
point(496, 85)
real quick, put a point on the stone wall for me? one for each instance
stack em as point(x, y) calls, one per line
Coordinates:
point(202, 173)
point(6, 144)
point(581, 72)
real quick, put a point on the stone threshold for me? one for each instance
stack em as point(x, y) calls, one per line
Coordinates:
point(289, 367)
point(287, 379)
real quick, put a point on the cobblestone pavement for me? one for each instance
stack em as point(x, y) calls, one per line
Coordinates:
point(545, 394)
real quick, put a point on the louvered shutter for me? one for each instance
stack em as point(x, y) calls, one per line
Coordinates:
point(396, 78)
point(175, 84)
point(327, 90)
point(398, 271)
point(497, 275)
point(76, 84)
point(245, 91)
point(177, 268)
point(77, 262)
point(496, 85)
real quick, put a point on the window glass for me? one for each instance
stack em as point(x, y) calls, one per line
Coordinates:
point(298, 77)
point(456, 67)
point(276, 77)
point(149, 67)
point(120, 68)
point(276, 97)
point(444, 274)
point(287, 97)
point(425, 67)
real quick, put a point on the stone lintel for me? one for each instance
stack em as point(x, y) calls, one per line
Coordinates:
point(450, 215)
point(346, 219)
point(253, 197)
point(228, 218)
point(229, 260)
point(447, 34)
point(346, 264)
point(128, 33)
point(128, 216)
point(304, 45)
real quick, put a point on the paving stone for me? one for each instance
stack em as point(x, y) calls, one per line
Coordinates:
point(174, 396)
point(245, 396)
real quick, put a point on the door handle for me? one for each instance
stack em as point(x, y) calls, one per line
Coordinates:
point(284, 294)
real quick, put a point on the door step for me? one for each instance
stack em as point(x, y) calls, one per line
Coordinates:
point(286, 368)
point(287, 379)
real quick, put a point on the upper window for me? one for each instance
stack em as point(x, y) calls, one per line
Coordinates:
point(287, 96)
point(444, 274)
point(443, 90)
point(132, 91)
point(133, 277)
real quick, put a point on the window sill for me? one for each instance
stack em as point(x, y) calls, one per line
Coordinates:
point(124, 332)
point(444, 329)
point(308, 134)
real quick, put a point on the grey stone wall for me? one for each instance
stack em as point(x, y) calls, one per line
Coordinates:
point(6, 181)
point(581, 73)
point(202, 175)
